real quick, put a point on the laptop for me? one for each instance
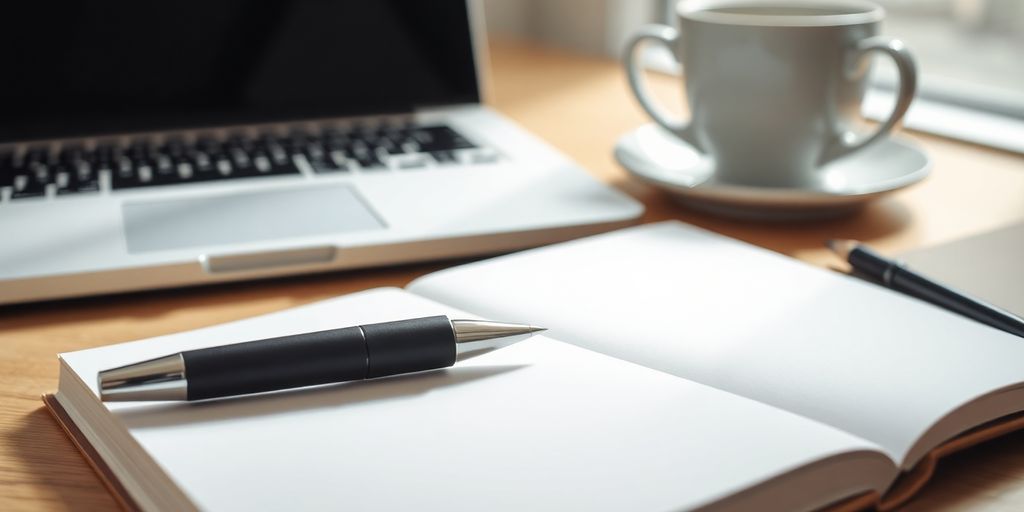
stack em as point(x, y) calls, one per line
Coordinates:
point(159, 144)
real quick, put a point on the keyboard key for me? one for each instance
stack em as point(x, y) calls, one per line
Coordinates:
point(123, 173)
point(322, 161)
point(90, 185)
point(438, 138)
point(365, 157)
point(444, 157)
point(369, 161)
point(328, 166)
point(144, 174)
point(26, 185)
point(390, 146)
point(224, 166)
point(86, 177)
point(413, 161)
point(314, 151)
point(287, 166)
point(203, 163)
point(262, 164)
point(177, 161)
point(359, 146)
point(185, 171)
point(410, 146)
point(280, 156)
point(161, 168)
point(240, 159)
point(338, 157)
point(64, 182)
point(163, 163)
point(83, 170)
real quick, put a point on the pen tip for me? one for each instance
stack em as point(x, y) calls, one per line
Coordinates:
point(476, 330)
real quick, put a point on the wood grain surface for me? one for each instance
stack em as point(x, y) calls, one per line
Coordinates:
point(580, 105)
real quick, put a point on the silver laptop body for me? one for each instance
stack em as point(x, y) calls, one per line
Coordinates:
point(190, 185)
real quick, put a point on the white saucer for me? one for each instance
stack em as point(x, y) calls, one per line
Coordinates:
point(660, 158)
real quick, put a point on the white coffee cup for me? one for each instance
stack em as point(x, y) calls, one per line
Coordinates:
point(774, 86)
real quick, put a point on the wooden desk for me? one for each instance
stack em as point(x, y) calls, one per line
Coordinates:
point(580, 105)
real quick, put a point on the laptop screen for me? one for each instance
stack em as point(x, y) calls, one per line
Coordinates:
point(82, 68)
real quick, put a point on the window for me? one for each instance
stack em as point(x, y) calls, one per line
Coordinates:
point(970, 52)
point(970, 55)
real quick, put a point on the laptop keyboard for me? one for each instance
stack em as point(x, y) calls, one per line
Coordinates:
point(142, 163)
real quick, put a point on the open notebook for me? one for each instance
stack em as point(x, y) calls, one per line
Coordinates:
point(682, 370)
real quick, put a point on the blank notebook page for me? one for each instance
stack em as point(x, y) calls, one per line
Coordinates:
point(540, 425)
point(750, 321)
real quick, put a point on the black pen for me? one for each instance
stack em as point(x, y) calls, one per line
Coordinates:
point(336, 355)
point(895, 275)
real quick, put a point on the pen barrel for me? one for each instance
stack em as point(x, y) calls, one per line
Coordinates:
point(306, 359)
point(869, 264)
point(408, 346)
point(337, 355)
point(913, 284)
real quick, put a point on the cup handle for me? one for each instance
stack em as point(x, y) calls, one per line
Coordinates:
point(847, 142)
point(667, 36)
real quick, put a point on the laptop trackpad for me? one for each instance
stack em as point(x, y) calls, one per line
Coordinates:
point(245, 217)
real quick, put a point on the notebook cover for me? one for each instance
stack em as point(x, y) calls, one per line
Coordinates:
point(914, 480)
point(91, 455)
point(865, 501)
